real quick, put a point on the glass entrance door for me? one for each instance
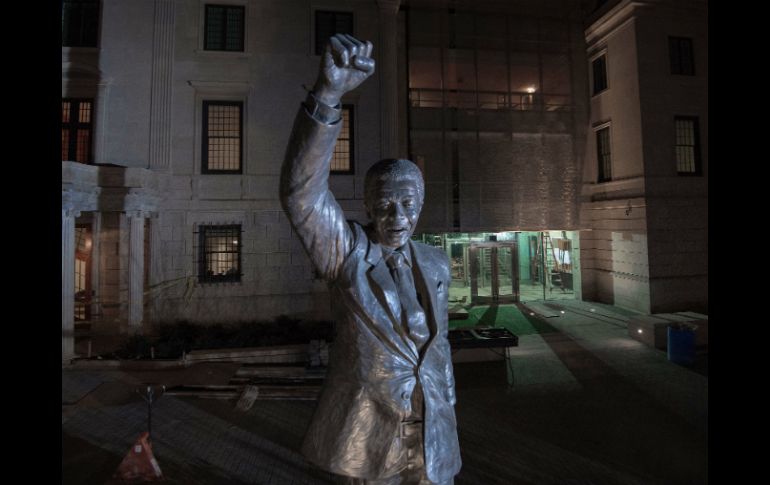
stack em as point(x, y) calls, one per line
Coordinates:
point(494, 272)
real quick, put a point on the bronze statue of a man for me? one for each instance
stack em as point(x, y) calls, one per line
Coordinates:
point(386, 413)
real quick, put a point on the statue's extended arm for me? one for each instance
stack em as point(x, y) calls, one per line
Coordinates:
point(305, 195)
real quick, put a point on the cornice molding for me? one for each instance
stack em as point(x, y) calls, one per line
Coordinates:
point(613, 20)
point(73, 200)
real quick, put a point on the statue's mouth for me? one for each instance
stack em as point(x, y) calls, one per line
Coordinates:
point(397, 231)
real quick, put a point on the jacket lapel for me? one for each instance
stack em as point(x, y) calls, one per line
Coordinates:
point(430, 283)
point(385, 291)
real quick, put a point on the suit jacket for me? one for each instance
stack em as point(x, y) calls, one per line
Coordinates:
point(374, 367)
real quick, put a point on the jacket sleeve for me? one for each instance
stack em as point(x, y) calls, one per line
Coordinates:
point(305, 196)
point(448, 369)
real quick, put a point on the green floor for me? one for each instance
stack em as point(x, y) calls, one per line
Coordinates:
point(508, 316)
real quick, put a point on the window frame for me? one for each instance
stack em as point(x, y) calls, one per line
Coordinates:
point(697, 161)
point(203, 260)
point(600, 56)
point(315, 49)
point(601, 176)
point(74, 125)
point(225, 6)
point(351, 140)
point(205, 136)
point(675, 57)
point(97, 26)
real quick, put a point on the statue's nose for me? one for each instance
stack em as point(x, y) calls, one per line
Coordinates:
point(398, 213)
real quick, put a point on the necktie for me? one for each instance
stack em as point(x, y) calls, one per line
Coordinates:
point(412, 314)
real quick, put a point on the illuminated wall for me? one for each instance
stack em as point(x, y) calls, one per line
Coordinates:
point(497, 108)
point(648, 245)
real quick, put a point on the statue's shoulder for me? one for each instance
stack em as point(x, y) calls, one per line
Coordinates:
point(361, 236)
point(356, 227)
point(435, 255)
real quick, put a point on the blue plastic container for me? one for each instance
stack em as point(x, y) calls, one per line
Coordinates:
point(681, 345)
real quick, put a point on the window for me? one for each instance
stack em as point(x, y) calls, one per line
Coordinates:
point(83, 244)
point(220, 254)
point(680, 54)
point(329, 23)
point(79, 23)
point(603, 154)
point(224, 28)
point(222, 133)
point(687, 145)
point(76, 129)
point(599, 66)
point(342, 158)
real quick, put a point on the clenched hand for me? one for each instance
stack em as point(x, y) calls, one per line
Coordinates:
point(345, 64)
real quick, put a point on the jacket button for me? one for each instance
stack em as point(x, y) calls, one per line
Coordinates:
point(405, 396)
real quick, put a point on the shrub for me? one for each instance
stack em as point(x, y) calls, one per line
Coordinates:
point(175, 338)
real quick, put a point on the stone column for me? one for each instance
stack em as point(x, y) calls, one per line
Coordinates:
point(155, 270)
point(68, 216)
point(135, 269)
point(96, 237)
point(387, 67)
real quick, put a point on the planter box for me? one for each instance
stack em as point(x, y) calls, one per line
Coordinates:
point(650, 330)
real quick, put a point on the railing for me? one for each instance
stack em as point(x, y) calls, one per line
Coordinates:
point(488, 100)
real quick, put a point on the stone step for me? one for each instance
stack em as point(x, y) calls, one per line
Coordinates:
point(280, 371)
point(262, 392)
point(274, 354)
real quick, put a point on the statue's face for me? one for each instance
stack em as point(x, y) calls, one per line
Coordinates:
point(394, 208)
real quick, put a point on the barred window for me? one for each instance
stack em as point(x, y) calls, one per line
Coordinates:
point(599, 66)
point(681, 56)
point(342, 159)
point(603, 154)
point(76, 130)
point(329, 23)
point(687, 145)
point(220, 254)
point(224, 28)
point(222, 135)
point(79, 23)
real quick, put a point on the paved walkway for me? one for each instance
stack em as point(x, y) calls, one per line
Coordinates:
point(588, 406)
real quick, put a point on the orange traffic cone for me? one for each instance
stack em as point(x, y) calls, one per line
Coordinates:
point(140, 464)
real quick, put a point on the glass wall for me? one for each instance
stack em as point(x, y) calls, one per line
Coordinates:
point(507, 267)
point(492, 117)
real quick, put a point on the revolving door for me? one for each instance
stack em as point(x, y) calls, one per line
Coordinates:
point(494, 268)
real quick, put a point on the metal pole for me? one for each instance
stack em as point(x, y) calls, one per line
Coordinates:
point(148, 396)
point(149, 414)
point(543, 257)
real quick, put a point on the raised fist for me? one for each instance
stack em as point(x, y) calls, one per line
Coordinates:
point(345, 63)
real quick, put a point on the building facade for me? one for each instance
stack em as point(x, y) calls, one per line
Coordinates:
point(176, 114)
point(645, 196)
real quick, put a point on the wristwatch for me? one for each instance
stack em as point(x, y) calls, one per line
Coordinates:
point(322, 111)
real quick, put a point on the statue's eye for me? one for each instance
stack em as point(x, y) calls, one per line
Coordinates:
point(408, 203)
